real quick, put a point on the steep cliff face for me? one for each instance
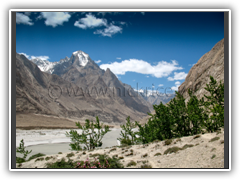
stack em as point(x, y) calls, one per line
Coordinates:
point(210, 64)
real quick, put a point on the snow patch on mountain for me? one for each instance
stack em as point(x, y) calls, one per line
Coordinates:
point(82, 57)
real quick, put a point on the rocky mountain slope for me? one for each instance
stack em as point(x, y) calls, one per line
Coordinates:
point(210, 64)
point(75, 88)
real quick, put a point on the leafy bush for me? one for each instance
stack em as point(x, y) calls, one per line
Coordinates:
point(197, 136)
point(213, 156)
point(62, 164)
point(214, 139)
point(113, 162)
point(36, 156)
point(70, 154)
point(21, 149)
point(128, 136)
point(131, 163)
point(158, 154)
point(168, 142)
point(178, 119)
point(214, 105)
point(187, 146)
point(94, 164)
point(172, 149)
point(146, 166)
point(89, 137)
point(20, 160)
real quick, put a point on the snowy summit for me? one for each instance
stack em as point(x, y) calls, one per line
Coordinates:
point(82, 57)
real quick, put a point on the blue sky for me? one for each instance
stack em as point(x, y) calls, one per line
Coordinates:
point(144, 49)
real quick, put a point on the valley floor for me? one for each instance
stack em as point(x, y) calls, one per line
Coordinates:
point(200, 153)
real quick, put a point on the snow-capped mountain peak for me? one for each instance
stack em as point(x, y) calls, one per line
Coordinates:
point(78, 58)
point(44, 65)
point(82, 57)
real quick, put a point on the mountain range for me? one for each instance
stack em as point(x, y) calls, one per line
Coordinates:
point(75, 88)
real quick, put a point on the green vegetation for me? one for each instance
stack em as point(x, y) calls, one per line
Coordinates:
point(172, 150)
point(178, 119)
point(61, 164)
point(146, 166)
point(158, 154)
point(197, 136)
point(214, 139)
point(89, 137)
point(128, 136)
point(168, 142)
point(187, 146)
point(70, 155)
point(213, 156)
point(21, 149)
point(131, 163)
point(36, 156)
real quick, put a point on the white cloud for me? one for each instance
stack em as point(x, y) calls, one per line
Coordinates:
point(178, 76)
point(90, 21)
point(162, 69)
point(177, 84)
point(30, 57)
point(27, 56)
point(118, 58)
point(109, 31)
point(147, 76)
point(98, 61)
point(160, 85)
point(55, 18)
point(40, 57)
point(23, 19)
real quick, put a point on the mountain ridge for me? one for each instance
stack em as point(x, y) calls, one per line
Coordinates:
point(69, 90)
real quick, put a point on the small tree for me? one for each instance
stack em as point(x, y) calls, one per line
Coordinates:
point(128, 133)
point(89, 137)
point(214, 105)
point(21, 149)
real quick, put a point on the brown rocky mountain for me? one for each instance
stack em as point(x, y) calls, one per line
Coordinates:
point(210, 64)
point(78, 90)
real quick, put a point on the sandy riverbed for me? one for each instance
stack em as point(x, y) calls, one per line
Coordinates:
point(202, 154)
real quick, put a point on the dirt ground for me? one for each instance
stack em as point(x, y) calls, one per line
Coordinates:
point(202, 151)
point(37, 121)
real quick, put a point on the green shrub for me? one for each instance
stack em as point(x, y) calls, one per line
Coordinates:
point(197, 136)
point(90, 138)
point(172, 149)
point(167, 142)
point(222, 141)
point(187, 146)
point(59, 152)
point(178, 119)
point(128, 136)
point(113, 162)
point(113, 149)
point(131, 163)
point(213, 156)
point(146, 166)
point(70, 155)
point(21, 150)
point(39, 159)
point(158, 154)
point(20, 160)
point(214, 139)
point(36, 156)
point(62, 164)
point(47, 158)
point(145, 155)
point(213, 149)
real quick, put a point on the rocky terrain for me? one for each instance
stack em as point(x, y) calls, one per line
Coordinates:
point(75, 88)
point(199, 151)
point(210, 64)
